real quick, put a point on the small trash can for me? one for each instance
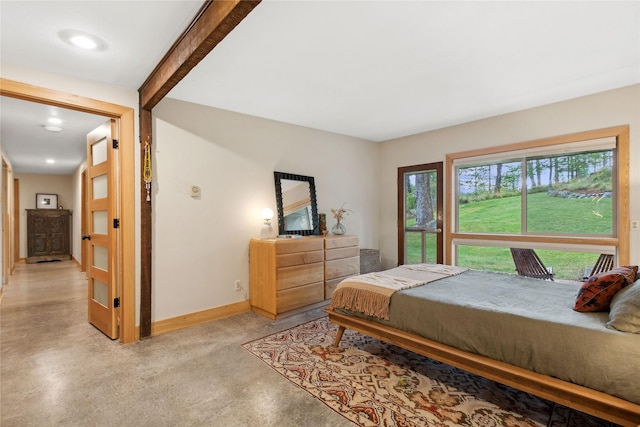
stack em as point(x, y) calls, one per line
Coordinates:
point(369, 260)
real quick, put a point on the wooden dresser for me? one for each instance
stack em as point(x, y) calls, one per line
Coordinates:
point(291, 275)
point(48, 235)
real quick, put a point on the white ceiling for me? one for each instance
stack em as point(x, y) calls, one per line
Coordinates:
point(371, 69)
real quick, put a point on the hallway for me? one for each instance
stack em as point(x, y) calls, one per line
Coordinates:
point(58, 370)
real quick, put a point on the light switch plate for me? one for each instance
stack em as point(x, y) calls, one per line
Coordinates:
point(195, 191)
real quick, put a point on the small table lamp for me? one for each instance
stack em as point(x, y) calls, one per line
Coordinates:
point(267, 231)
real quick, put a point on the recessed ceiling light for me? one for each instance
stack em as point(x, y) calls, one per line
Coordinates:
point(52, 128)
point(54, 120)
point(82, 40)
point(51, 161)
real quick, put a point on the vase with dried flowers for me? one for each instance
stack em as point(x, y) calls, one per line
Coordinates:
point(338, 214)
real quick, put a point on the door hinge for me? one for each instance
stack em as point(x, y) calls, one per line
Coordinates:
point(116, 223)
point(116, 302)
point(115, 144)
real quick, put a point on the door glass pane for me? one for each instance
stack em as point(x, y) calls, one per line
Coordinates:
point(420, 247)
point(420, 216)
point(99, 152)
point(100, 259)
point(99, 187)
point(100, 220)
point(101, 292)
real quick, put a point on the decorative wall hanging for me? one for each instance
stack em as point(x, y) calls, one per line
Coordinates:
point(46, 201)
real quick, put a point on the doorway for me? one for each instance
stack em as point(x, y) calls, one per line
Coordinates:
point(126, 191)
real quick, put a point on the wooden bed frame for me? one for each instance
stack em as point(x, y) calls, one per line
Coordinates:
point(581, 398)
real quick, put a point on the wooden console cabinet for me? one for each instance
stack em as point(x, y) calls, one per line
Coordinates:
point(48, 235)
point(291, 275)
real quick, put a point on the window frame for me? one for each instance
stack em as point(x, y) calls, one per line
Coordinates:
point(618, 243)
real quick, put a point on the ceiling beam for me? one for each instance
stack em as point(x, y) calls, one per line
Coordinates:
point(211, 24)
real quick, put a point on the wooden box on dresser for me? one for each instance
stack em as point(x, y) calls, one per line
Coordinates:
point(290, 275)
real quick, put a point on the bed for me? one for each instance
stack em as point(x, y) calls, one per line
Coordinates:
point(519, 331)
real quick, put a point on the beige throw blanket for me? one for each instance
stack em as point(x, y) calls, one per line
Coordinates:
point(370, 293)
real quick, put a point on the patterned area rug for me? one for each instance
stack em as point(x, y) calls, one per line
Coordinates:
point(372, 383)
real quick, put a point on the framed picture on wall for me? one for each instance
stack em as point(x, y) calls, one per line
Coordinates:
point(46, 201)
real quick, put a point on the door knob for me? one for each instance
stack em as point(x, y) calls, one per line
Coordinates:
point(86, 237)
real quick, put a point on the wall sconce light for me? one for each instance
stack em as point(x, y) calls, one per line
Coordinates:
point(267, 230)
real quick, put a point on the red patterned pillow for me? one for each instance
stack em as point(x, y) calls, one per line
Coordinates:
point(630, 272)
point(597, 292)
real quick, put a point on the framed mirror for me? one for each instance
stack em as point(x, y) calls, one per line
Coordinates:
point(297, 205)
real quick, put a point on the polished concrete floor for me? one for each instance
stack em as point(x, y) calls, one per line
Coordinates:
point(58, 370)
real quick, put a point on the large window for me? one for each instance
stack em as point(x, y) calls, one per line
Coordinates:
point(566, 197)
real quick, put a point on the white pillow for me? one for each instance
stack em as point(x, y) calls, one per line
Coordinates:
point(624, 314)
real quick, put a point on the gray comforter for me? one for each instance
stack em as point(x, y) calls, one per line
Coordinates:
point(525, 322)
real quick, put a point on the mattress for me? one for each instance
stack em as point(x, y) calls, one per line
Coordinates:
point(525, 322)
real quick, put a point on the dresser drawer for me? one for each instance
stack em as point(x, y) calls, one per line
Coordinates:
point(342, 267)
point(289, 277)
point(333, 242)
point(299, 258)
point(305, 244)
point(330, 286)
point(348, 252)
point(300, 296)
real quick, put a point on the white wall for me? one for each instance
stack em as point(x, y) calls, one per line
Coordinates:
point(30, 184)
point(611, 108)
point(201, 246)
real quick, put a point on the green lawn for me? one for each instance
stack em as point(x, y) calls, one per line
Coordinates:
point(551, 214)
point(546, 214)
